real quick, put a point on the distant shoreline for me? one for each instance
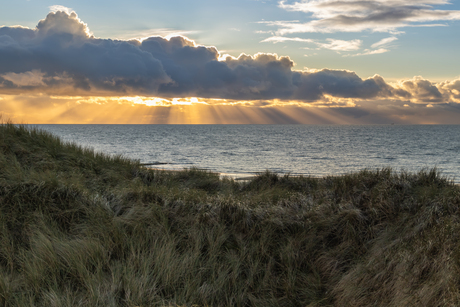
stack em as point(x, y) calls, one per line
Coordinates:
point(308, 150)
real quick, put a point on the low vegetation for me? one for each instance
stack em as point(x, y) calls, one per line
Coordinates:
point(79, 228)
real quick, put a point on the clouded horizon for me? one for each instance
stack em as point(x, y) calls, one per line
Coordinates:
point(60, 72)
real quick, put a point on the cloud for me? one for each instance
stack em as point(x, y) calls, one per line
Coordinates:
point(61, 57)
point(69, 58)
point(6, 84)
point(341, 45)
point(382, 46)
point(450, 90)
point(30, 78)
point(329, 16)
point(62, 22)
point(422, 90)
point(341, 84)
point(384, 42)
point(282, 39)
point(60, 8)
point(333, 44)
point(370, 52)
point(165, 32)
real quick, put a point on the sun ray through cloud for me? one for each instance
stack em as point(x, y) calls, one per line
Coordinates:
point(63, 69)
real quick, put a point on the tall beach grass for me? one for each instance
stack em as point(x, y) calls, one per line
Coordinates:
point(80, 228)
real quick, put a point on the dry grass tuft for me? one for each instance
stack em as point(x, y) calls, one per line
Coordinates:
point(78, 228)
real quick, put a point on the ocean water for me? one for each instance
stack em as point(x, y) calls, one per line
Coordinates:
point(243, 150)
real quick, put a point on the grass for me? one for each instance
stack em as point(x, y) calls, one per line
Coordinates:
point(79, 228)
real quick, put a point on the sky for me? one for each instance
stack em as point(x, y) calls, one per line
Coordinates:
point(230, 62)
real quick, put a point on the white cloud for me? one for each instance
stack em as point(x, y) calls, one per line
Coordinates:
point(60, 8)
point(329, 16)
point(281, 39)
point(263, 32)
point(63, 22)
point(370, 52)
point(332, 44)
point(384, 42)
point(341, 45)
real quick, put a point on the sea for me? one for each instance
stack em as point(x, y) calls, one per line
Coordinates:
point(240, 151)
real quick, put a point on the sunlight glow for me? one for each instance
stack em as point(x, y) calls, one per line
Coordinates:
point(41, 109)
point(45, 109)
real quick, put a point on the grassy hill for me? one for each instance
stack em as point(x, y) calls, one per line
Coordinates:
point(79, 228)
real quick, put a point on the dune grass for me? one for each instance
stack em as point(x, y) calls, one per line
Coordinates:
point(79, 228)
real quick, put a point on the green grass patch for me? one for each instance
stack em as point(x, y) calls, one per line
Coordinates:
point(79, 228)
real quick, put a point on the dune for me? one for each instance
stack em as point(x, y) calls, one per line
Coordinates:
point(90, 229)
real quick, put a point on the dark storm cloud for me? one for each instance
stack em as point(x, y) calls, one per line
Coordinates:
point(6, 83)
point(343, 84)
point(423, 90)
point(61, 56)
point(64, 53)
point(62, 48)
